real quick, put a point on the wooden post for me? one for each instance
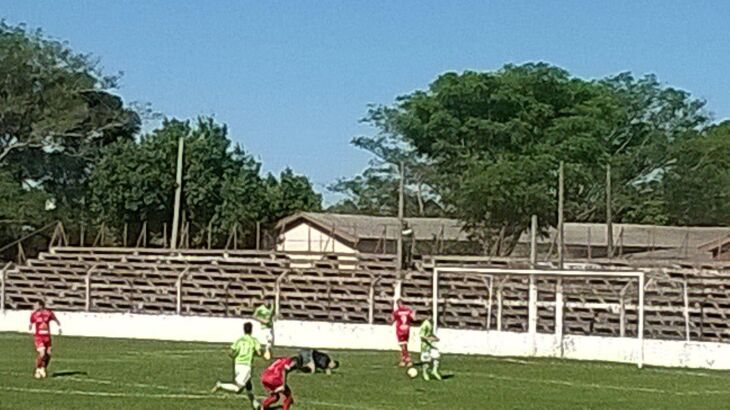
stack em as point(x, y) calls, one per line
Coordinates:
point(609, 214)
point(258, 236)
point(641, 321)
point(178, 194)
point(210, 234)
point(164, 234)
point(561, 205)
point(82, 234)
point(126, 230)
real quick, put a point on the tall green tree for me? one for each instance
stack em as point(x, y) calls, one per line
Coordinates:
point(57, 111)
point(493, 141)
point(696, 186)
point(222, 184)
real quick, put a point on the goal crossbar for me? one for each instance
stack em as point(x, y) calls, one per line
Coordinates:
point(554, 273)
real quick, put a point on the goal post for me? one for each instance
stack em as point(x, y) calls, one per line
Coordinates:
point(532, 300)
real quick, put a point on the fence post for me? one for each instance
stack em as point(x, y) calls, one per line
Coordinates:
point(2, 286)
point(277, 293)
point(371, 299)
point(435, 298)
point(641, 321)
point(87, 282)
point(532, 290)
point(686, 309)
point(489, 307)
point(499, 306)
point(559, 314)
point(622, 310)
point(178, 285)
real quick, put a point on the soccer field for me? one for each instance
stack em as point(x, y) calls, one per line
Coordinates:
point(125, 374)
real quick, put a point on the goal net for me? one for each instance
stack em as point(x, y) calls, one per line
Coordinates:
point(546, 301)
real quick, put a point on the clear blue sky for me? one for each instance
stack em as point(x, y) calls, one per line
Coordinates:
point(292, 79)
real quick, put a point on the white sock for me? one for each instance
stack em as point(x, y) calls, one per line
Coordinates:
point(231, 387)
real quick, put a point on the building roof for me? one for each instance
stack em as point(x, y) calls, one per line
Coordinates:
point(354, 228)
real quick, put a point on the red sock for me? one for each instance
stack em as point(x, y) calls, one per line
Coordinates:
point(47, 360)
point(273, 398)
point(288, 399)
point(405, 357)
point(39, 361)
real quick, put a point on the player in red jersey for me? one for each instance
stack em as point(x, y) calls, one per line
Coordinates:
point(40, 321)
point(274, 381)
point(402, 316)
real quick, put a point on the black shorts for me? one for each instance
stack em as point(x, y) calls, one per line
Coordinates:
point(321, 360)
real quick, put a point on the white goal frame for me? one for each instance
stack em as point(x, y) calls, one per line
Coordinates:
point(532, 302)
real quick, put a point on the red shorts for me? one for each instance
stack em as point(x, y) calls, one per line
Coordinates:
point(42, 341)
point(272, 384)
point(402, 336)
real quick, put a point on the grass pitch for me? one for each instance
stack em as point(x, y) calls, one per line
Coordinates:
point(134, 374)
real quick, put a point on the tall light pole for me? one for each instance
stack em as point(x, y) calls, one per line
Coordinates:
point(178, 194)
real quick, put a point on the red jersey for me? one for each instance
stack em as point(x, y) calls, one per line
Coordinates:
point(402, 316)
point(273, 376)
point(41, 320)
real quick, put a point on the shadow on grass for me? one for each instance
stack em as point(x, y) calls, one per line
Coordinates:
point(69, 373)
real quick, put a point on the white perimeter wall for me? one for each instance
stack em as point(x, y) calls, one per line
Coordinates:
point(327, 335)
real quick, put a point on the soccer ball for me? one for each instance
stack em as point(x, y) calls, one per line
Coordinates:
point(412, 372)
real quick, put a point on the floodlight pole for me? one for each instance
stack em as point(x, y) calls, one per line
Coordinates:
point(178, 194)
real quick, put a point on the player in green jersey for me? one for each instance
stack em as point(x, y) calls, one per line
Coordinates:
point(264, 314)
point(242, 351)
point(429, 353)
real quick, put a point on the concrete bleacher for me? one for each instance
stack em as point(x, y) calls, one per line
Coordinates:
point(342, 288)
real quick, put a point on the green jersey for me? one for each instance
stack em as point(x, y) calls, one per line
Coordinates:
point(264, 315)
point(244, 349)
point(426, 331)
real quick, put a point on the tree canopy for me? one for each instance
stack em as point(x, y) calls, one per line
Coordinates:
point(492, 142)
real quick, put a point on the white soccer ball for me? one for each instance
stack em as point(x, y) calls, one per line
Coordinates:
point(412, 372)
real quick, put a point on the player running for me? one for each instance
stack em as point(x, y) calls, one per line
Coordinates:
point(264, 314)
point(402, 316)
point(312, 360)
point(274, 381)
point(242, 351)
point(41, 319)
point(429, 353)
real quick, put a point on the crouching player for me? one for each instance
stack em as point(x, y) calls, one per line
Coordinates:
point(40, 320)
point(312, 360)
point(429, 353)
point(243, 351)
point(274, 381)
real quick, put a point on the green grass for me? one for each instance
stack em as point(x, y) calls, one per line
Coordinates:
point(131, 374)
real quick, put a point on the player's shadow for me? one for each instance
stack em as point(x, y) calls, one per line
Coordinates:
point(447, 376)
point(69, 373)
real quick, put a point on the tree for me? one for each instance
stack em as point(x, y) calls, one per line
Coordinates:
point(289, 194)
point(697, 184)
point(56, 113)
point(493, 141)
point(222, 184)
point(375, 190)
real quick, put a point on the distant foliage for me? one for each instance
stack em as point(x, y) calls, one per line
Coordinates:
point(488, 144)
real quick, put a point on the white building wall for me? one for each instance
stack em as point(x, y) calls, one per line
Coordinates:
point(327, 335)
point(305, 238)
